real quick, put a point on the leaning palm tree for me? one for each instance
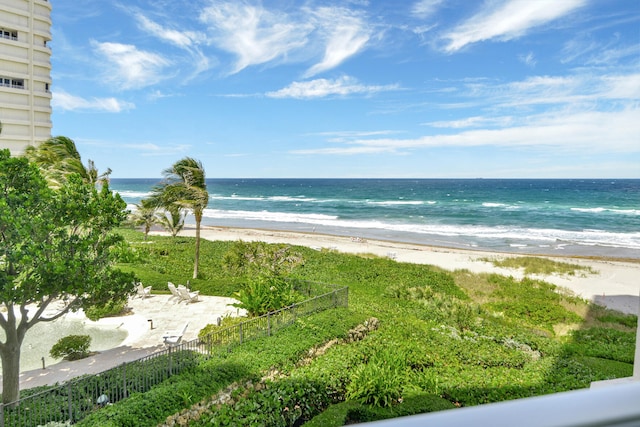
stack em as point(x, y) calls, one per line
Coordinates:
point(144, 215)
point(58, 157)
point(184, 185)
point(171, 219)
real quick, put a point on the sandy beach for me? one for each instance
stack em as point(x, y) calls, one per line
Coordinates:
point(616, 284)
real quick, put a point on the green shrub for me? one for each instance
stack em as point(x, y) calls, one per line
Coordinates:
point(379, 382)
point(604, 343)
point(71, 347)
point(264, 294)
point(226, 322)
point(115, 308)
point(282, 403)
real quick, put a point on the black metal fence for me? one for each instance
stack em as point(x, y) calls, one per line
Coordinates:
point(75, 399)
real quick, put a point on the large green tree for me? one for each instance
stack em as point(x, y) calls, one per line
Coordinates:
point(184, 185)
point(55, 246)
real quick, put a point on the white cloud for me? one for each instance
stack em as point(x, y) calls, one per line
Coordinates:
point(183, 39)
point(529, 59)
point(66, 102)
point(566, 90)
point(346, 34)
point(131, 68)
point(425, 8)
point(320, 88)
point(508, 20)
point(568, 132)
point(254, 34)
point(149, 149)
point(469, 122)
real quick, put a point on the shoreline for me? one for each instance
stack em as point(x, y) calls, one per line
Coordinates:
point(615, 285)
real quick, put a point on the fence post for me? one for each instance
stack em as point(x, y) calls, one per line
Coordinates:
point(268, 324)
point(70, 397)
point(170, 361)
point(240, 331)
point(1, 414)
point(124, 380)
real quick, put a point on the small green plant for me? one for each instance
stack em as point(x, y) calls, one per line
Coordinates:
point(264, 294)
point(539, 265)
point(381, 381)
point(114, 308)
point(71, 347)
point(225, 322)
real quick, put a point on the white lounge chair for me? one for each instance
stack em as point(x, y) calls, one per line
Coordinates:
point(174, 292)
point(142, 291)
point(187, 295)
point(172, 339)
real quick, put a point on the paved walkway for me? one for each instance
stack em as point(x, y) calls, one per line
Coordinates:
point(150, 319)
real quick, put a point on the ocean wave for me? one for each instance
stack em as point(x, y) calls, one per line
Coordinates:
point(234, 197)
point(612, 210)
point(395, 202)
point(268, 216)
point(127, 194)
point(515, 235)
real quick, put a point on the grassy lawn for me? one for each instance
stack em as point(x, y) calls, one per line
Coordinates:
point(444, 340)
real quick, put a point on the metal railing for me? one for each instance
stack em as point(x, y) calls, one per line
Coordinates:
point(74, 400)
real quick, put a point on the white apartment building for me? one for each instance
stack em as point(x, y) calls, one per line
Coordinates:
point(25, 73)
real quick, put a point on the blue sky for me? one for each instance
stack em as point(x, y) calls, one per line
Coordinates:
point(351, 88)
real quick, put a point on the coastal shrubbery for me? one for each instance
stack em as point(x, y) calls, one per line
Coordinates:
point(444, 340)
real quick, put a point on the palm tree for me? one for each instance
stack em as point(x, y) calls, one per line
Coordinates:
point(184, 186)
point(145, 215)
point(171, 219)
point(58, 157)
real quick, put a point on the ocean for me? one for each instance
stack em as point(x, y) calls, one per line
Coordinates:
point(575, 217)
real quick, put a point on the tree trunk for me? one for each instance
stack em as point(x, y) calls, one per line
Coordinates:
point(10, 356)
point(197, 257)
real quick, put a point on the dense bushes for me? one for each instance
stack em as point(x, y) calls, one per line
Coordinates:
point(71, 347)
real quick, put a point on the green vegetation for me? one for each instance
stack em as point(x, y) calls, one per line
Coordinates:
point(71, 347)
point(55, 246)
point(443, 340)
point(540, 265)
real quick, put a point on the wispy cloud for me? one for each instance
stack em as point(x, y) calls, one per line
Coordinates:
point(346, 33)
point(183, 39)
point(149, 149)
point(566, 133)
point(425, 8)
point(253, 34)
point(258, 35)
point(472, 122)
point(506, 20)
point(320, 88)
point(529, 59)
point(188, 41)
point(66, 102)
point(131, 68)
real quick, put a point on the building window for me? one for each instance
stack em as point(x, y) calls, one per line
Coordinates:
point(8, 34)
point(12, 83)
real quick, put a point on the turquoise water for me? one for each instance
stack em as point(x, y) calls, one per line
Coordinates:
point(564, 217)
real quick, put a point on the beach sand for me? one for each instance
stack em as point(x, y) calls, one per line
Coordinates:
point(616, 284)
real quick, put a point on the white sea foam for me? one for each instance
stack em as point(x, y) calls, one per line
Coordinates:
point(133, 194)
point(503, 233)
